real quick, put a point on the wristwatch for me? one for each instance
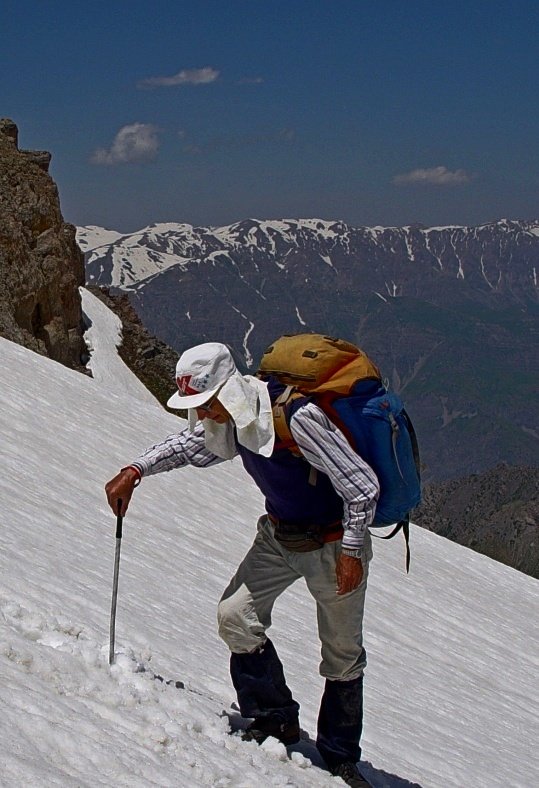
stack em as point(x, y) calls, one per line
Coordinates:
point(351, 552)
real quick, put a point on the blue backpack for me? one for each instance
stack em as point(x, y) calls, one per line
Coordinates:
point(339, 378)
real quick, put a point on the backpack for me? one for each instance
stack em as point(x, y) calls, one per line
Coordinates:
point(348, 387)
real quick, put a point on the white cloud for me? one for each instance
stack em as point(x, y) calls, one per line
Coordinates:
point(438, 176)
point(137, 142)
point(188, 76)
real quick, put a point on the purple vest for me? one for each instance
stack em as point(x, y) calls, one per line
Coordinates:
point(284, 481)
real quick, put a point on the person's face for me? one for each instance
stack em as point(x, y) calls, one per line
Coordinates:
point(213, 410)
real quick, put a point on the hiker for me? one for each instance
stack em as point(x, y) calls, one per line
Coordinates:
point(318, 510)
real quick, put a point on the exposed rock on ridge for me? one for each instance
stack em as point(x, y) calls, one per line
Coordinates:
point(41, 266)
point(495, 513)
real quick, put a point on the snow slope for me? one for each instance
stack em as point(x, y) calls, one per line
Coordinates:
point(452, 687)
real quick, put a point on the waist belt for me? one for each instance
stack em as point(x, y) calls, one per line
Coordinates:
point(303, 538)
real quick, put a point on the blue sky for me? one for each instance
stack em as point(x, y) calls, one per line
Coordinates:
point(387, 112)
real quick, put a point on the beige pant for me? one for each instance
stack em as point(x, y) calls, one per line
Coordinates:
point(244, 612)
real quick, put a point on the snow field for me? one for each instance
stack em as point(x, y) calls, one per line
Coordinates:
point(452, 689)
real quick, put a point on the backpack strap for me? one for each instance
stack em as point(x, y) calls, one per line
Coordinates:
point(415, 444)
point(280, 420)
point(282, 427)
point(404, 526)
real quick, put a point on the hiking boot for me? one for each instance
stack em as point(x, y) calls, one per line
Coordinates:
point(272, 725)
point(350, 774)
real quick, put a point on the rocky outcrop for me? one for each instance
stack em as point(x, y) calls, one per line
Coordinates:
point(495, 513)
point(41, 266)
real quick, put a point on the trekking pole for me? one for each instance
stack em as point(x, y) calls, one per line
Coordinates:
point(119, 521)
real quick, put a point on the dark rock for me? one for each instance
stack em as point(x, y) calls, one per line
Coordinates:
point(495, 513)
point(40, 157)
point(9, 130)
point(41, 266)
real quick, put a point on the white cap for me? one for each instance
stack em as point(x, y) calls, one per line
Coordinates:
point(200, 373)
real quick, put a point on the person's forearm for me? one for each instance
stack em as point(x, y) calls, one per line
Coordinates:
point(176, 451)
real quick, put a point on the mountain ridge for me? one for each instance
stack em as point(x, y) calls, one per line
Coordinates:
point(449, 314)
point(179, 240)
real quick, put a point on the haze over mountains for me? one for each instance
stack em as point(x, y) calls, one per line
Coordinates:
point(448, 313)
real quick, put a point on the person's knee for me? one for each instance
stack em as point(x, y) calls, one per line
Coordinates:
point(229, 619)
point(343, 666)
point(238, 624)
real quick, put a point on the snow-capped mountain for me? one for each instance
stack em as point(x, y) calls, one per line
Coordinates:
point(448, 313)
point(307, 270)
point(123, 260)
point(117, 260)
point(452, 686)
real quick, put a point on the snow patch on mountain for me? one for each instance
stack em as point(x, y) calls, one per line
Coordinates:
point(91, 236)
point(125, 261)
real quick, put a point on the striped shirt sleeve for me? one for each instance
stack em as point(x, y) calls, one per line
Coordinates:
point(182, 448)
point(326, 448)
